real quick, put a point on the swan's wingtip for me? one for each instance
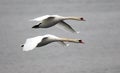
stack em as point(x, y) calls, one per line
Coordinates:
point(25, 50)
point(67, 44)
point(77, 32)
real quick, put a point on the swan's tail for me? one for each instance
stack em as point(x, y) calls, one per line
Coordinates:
point(22, 45)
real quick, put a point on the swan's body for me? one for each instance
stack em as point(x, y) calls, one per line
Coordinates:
point(51, 20)
point(39, 41)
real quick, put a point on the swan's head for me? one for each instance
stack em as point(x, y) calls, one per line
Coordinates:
point(82, 19)
point(80, 41)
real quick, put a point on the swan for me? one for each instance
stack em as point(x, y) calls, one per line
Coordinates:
point(47, 21)
point(40, 41)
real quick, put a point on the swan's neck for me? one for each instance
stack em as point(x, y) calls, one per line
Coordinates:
point(69, 40)
point(72, 18)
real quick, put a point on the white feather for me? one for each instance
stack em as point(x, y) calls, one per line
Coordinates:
point(31, 43)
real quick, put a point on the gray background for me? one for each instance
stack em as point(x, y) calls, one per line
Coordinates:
point(101, 32)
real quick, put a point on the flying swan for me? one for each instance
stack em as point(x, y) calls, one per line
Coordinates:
point(47, 21)
point(39, 41)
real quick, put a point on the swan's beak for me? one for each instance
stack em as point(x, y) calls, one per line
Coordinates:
point(82, 19)
point(36, 26)
point(80, 41)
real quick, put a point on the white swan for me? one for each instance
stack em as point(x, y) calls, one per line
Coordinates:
point(51, 20)
point(39, 41)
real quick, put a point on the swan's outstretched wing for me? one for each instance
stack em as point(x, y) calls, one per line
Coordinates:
point(31, 43)
point(63, 25)
point(63, 43)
